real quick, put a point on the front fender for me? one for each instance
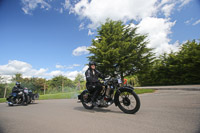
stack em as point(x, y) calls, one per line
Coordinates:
point(129, 87)
point(121, 89)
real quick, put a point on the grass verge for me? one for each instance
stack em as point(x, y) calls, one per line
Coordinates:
point(2, 100)
point(141, 91)
point(70, 95)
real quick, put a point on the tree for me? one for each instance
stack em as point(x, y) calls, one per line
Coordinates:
point(79, 78)
point(189, 59)
point(119, 50)
point(180, 67)
point(17, 77)
point(1, 79)
point(2, 86)
point(59, 82)
point(79, 81)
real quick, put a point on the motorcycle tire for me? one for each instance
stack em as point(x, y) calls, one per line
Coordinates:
point(85, 101)
point(126, 102)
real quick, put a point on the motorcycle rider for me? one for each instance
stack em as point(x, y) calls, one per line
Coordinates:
point(92, 81)
point(16, 89)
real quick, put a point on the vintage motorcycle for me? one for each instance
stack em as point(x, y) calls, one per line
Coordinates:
point(30, 95)
point(122, 96)
point(18, 97)
point(22, 96)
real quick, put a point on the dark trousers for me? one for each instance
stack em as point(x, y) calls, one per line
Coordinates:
point(95, 89)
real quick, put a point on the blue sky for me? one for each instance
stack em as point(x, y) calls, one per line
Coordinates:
point(45, 38)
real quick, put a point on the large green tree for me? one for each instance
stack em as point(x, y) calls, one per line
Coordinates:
point(180, 67)
point(119, 50)
point(189, 62)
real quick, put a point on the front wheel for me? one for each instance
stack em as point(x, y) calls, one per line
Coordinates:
point(10, 101)
point(25, 100)
point(86, 100)
point(128, 101)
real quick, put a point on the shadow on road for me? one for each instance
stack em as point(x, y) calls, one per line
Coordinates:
point(102, 110)
point(19, 105)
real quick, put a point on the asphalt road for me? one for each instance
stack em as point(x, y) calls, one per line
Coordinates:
point(173, 87)
point(165, 111)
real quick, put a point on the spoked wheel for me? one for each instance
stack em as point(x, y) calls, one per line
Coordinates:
point(86, 100)
point(129, 102)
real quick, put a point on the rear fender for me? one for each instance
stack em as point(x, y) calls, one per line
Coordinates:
point(79, 96)
point(36, 96)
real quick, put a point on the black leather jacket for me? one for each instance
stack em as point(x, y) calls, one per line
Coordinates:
point(92, 78)
point(17, 89)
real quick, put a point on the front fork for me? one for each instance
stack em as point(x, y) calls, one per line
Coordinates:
point(117, 93)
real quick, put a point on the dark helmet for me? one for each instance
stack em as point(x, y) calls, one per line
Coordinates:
point(18, 83)
point(92, 63)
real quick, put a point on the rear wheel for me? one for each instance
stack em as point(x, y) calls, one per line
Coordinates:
point(86, 100)
point(29, 99)
point(129, 101)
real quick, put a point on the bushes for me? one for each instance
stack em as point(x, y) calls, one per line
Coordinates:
point(180, 67)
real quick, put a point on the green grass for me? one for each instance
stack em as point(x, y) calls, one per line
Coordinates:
point(141, 91)
point(71, 95)
point(59, 96)
point(74, 94)
point(2, 100)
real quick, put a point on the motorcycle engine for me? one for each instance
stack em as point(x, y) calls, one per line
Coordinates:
point(102, 102)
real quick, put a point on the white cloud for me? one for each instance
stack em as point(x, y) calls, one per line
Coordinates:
point(72, 75)
point(76, 65)
point(188, 21)
point(60, 10)
point(67, 67)
point(158, 30)
point(60, 66)
point(196, 22)
point(167, 9)
point(144, 12)
point(80, 51)
point(90, 32)
point(67, 4)
point(184, 2)
point(56, 73)
point(84, 68)
point(15, 66)
point(81, 26)
point(69, 74)
point(97, 11)
point(30, 5)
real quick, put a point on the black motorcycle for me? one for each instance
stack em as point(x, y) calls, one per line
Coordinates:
point(31, 96)
point(18, 97)
point(122, 96)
